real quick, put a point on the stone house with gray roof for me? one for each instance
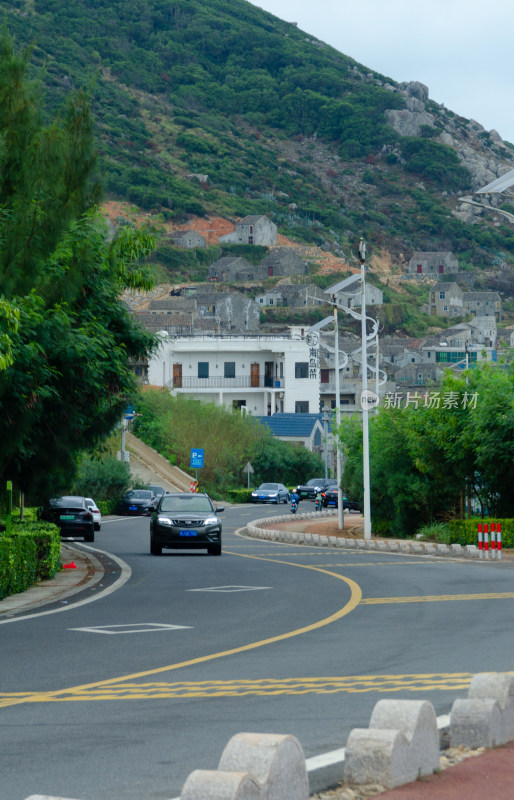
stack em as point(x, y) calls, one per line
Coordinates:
point(253, 229)
point(207, 311)
point(187, 239)
point(432, 263)
point(294, 295)
point(448, 300)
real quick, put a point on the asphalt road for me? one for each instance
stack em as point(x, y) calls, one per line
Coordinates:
point(122, 698)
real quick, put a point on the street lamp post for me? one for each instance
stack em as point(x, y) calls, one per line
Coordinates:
point(340, 504)
point(364, 396)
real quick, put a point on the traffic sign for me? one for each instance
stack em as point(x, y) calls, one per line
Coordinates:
point(196, 458)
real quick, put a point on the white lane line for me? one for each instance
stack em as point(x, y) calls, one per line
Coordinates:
point(126, 572)
point(133, 627)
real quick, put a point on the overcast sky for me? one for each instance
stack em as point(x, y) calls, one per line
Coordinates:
point(461, 49)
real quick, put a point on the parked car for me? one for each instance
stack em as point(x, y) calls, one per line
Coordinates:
point(157, 490)
point(351, 505)
point(97, 517)
point(271, 493)
point(137, 501)
point(309, 490)
point(71, 515)
point(330, 496)
point(186, 520)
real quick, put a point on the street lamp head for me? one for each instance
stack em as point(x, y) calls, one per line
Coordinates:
point(362, 249)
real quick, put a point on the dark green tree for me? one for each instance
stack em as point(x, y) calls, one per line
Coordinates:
point(66, 338)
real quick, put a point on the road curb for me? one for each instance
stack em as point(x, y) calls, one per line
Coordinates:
point(258, 529)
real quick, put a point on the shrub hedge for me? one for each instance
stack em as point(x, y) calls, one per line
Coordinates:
point(31, 553)
point(465, 531)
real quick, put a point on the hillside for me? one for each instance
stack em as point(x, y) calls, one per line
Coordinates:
point(209, 108)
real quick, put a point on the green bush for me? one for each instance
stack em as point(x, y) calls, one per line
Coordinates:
point(31, 553)
point(102, 479)
point(465, 531)
point(238, 495)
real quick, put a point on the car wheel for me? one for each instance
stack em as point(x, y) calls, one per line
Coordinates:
point(215, 550)
point(155, 549)
point(286, 498)
point(89, 537)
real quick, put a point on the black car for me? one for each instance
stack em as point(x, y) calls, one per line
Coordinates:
point(157, 490)
point(309, 490)
point(351, 505)
point(270, 493)
point(137, 501)
point(71, 514)
point(330, 497)
point(186, 520)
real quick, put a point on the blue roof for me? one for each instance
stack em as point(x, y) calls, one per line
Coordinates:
point(282, 424)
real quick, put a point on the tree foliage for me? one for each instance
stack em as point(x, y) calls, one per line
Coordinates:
point(66, 339)
point(174, 425)
point(427, 459)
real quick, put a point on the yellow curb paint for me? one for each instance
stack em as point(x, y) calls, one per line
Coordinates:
point(442, 598)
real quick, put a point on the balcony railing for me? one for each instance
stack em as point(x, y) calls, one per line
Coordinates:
point(239, 382)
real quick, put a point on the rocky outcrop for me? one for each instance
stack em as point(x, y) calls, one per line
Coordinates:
point(483, 153)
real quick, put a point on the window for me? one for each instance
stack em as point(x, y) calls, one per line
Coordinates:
point(301, 407)
point(419, 269)
point(203, 369)
point(441, 269)
point(230, 369)
point(324, 375)
point(301, 369)
point(445, 308)
point(441, 295)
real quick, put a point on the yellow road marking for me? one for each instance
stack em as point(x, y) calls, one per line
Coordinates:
point(355, 597)
point(371, 601)
point(264, 687)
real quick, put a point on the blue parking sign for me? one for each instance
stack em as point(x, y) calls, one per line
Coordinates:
point(196, 458)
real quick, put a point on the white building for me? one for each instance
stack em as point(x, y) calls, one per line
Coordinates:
point(264, 374)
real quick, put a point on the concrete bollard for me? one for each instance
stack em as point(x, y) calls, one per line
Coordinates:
point(209, 784)
point(401, 743)
point(486, 717)
point(253, 766)
point(276, 761)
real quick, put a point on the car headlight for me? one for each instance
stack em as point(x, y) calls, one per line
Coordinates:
point(254, 494)
point(210, 521)
point(273, 494)
point(165, 521)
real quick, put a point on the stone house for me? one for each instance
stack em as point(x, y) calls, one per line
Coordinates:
point(231, 268)
point(432, 263)
point(352, 298)
point(282, 261)
point(187, 239)
point(293, 295)
point(448, 300)
point(253, 229)
point(207, 311)
point(231, 310)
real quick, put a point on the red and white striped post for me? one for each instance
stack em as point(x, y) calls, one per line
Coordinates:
point(493, 539)
point(499, 539)
point(480, 541)
point(486, 539)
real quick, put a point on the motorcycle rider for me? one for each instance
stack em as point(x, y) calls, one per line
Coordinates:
point(318, 501)
point(295, 499)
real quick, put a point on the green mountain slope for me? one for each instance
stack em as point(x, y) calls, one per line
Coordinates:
point(209, 106)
